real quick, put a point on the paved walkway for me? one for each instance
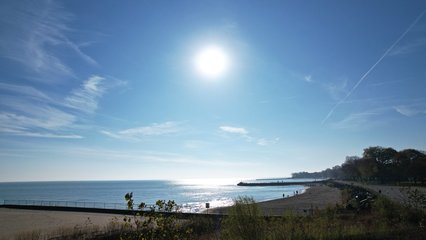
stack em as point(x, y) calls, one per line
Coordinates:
point(394, 193)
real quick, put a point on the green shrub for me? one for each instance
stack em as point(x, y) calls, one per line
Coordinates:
point(159, 224)
point(244, 221)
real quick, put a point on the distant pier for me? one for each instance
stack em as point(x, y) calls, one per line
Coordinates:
point(262, 184)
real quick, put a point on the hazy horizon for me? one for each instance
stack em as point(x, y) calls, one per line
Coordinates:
point(206, 89)
point(188, 180)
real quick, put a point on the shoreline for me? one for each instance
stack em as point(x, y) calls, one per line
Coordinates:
point(316, 196)
point(15, 221)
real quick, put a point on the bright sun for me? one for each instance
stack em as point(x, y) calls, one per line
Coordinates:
point(212, 62)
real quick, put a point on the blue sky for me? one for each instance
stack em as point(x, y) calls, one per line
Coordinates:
point(109, 90)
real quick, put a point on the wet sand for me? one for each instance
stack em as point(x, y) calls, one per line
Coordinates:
point(316, 196)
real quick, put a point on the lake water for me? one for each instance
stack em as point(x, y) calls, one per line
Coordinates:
point(190, 194)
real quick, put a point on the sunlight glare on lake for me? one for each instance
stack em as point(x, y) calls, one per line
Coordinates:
point(213, 182)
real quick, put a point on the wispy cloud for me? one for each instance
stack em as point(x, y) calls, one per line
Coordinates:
point(357, 121)
point(337, 90)
point(237, 130)
point(300, 76)
point(242, 132)
point(48, 123)
point(27, 111)
point(86, 97)
point(410, 47)
point(379, 84)
point(41, 135)
point(410, 110)
point(129, 156)
point(266, 142)
point(43, 117)
point(140, 133)
point(38, 42)
point(36, 31)
point(373, 67)
point(308, 78)
point(23, 90)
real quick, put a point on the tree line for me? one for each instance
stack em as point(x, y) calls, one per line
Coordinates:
point(378, 164)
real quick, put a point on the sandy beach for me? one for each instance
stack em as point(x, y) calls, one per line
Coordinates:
point(14, 221)
point(316, 196)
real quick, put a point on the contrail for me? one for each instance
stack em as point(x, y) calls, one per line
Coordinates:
point(372, 67)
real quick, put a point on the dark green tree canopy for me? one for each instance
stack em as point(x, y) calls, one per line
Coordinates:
point(377, 164)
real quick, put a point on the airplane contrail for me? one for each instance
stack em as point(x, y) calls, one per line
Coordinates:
point(372, 67)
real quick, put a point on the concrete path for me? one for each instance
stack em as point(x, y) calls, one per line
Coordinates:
point(395, 193)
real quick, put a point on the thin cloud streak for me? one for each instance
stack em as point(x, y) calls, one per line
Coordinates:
point(266, 142)
point(35, 34)
point(337, 90)
point(409, 48)
point(139, 133)
point(41, 135)
point(237, 130)
point(86, 98)
point(27, 111)
point(130, 156)
point(23, 90)
point(44, 117)
point(357, 121)
point(372, 67)
point(36, 120)
point(244, 134)
point(410, 111)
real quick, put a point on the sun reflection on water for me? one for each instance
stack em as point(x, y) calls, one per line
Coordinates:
point(209, 182)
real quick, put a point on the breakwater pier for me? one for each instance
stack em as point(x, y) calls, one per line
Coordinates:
point(278, 183)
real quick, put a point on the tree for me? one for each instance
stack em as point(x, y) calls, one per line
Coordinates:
point(385, 158)
point(367, 168)
point(378, 163)
point(350, 169)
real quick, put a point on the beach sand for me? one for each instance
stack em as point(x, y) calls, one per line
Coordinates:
point(14, 221)
point(316, 196)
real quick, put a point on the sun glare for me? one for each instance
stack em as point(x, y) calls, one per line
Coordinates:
point(212, 62)
point(208, 182)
